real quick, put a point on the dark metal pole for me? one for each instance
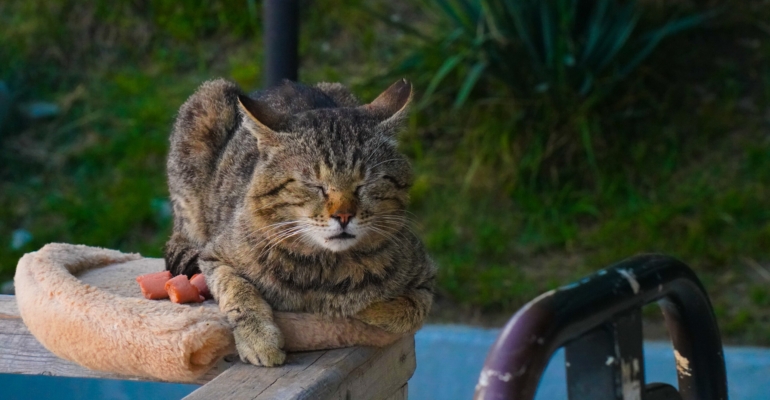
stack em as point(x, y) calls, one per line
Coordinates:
point(281, 41)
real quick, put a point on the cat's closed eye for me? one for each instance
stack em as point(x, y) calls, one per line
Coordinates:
point(320, 189)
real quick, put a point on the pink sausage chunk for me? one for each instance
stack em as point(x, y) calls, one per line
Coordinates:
point(199, 281)
point(154, 285)
point(180, 290)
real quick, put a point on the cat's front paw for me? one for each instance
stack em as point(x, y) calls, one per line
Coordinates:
point(260, 344)
point(396, 316)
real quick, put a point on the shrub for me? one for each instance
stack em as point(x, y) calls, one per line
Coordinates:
point(541, 75)
point(563, 49)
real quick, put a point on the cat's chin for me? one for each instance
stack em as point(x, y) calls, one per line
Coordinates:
point(337, 244)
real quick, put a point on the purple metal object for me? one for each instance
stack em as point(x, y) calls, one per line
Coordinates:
point(598, 319)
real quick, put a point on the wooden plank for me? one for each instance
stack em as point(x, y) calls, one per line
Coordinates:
point(400, 394)
point(8, 307)
point(244, 381)
point(351, 373)
point(381, 374)
point(21, 353)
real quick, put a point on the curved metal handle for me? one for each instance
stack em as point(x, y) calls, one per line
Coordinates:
point(606, 305)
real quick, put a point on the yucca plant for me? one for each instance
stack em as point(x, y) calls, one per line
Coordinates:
point(557, 48)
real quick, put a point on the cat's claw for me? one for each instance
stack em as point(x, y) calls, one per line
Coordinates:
point(260, 344)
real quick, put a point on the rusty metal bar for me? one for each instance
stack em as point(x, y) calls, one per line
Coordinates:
point(603, 309)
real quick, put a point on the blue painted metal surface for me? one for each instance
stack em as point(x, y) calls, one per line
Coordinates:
point(40, 387)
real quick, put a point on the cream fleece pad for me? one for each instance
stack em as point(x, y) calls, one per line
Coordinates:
point(96, 322)
point(83, 304)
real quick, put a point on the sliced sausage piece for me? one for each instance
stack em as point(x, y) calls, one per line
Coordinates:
point(180, 290)
point(154, 285)
point(199, 281)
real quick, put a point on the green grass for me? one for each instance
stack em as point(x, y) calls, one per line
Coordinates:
point(676, 161)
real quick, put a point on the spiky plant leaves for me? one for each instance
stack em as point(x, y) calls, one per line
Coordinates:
point(562, 48)
point(470, 82)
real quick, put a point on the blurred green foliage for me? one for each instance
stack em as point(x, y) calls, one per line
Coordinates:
point(565, 50)
point(543, 69)
point(517, 190)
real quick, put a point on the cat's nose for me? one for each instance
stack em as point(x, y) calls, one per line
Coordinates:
point(343, 218)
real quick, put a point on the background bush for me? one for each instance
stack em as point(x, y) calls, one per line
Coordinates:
point(544, 68)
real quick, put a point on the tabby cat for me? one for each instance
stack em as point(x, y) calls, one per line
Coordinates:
point(293, 199)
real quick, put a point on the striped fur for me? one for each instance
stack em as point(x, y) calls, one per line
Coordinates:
point(293, 199)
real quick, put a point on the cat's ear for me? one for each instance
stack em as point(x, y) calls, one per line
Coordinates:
point(391, 106)
point(261, 120)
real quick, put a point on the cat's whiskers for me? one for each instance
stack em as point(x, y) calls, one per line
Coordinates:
point(388, 236)
point(279, 224)
point(410, 213)
point(267, 244)
point(283, 232)
point(269, 230)
point(307, 240)
point(403, 220)
point(265, 230)
point(397, 226)
point(396, 223)
point(390, 227)
point(396, 213)
point(257, 238)
point(292, 234)
point(400, 225)
point(268, 237)
point(384, 233)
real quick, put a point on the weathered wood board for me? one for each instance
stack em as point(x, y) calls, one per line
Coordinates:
point(400, 394)
point(350, 373)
